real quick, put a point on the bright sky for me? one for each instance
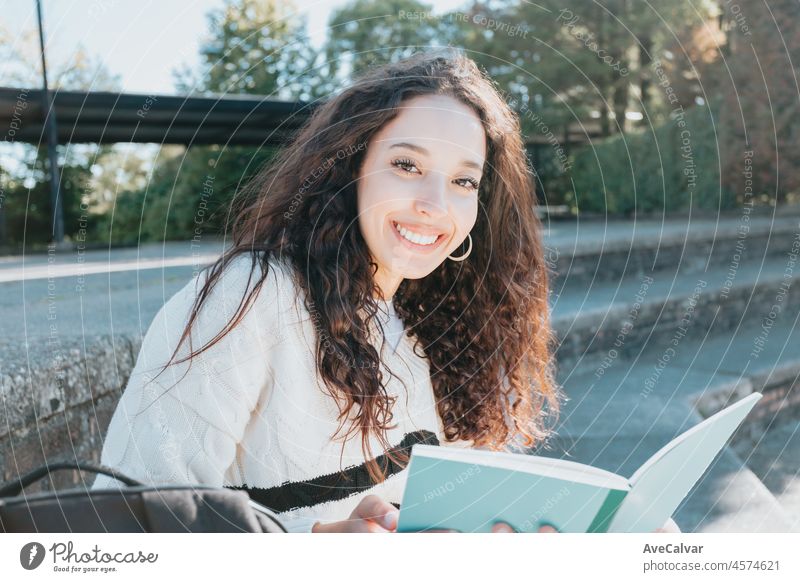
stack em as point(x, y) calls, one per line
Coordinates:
point(141, 40)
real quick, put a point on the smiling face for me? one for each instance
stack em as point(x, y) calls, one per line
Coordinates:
point(417, 188)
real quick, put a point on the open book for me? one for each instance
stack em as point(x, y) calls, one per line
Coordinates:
point(469, 489)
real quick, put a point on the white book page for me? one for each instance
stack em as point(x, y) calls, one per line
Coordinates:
point(555, 468)
point(659, 486)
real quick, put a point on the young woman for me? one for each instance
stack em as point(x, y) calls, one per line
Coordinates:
point(386, 286)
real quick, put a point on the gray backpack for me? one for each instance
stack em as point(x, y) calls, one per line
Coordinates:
point(135, 508)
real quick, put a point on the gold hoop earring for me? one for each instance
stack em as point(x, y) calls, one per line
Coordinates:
point(465, 255)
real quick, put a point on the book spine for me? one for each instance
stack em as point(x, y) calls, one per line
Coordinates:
point(607, 511)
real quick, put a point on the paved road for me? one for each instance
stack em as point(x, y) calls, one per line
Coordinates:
point(97, 292)
point(121, 290)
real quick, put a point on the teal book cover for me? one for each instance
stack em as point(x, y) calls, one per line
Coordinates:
point(469, 489)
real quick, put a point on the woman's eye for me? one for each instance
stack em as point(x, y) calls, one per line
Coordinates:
point(471, 183)
point(404, 164)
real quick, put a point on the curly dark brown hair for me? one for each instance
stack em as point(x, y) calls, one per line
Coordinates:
point(483, 323)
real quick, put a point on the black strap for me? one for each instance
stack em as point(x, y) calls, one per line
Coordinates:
point(15, 487)
point(332, 486)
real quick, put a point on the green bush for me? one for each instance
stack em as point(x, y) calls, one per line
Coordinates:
point(670, 167)
point(187, 196)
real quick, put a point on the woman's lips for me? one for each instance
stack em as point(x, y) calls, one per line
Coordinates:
point(412, 245)
point(418, 229)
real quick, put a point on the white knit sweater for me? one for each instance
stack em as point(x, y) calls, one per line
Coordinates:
point(251, 412)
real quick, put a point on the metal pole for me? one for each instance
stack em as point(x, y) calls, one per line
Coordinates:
point(56, 202)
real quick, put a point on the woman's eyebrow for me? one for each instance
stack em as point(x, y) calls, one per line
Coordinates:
point(425, 152)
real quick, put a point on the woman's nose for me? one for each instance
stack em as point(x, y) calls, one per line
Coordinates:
point(432, 197)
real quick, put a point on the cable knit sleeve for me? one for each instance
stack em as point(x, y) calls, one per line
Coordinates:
point(184, 425)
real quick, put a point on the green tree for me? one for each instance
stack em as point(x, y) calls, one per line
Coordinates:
point(254, 47)
point(760, 111)
point(27, 208)
point(257, 47)
point(25, 213)
point(365, 33)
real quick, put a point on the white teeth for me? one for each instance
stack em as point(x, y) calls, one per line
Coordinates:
point(416, 238)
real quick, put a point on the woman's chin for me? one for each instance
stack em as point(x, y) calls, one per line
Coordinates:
point(413, 267)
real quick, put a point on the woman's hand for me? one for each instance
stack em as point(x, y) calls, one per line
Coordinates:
point(669, 527)
point(371, 515)
point(499, 527)
point(502, 527)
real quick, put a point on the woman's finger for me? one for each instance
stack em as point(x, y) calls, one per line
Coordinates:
point(502, 527)
point(547, 529)
point(669, 527)
point(382, 512)
point(369, 526)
